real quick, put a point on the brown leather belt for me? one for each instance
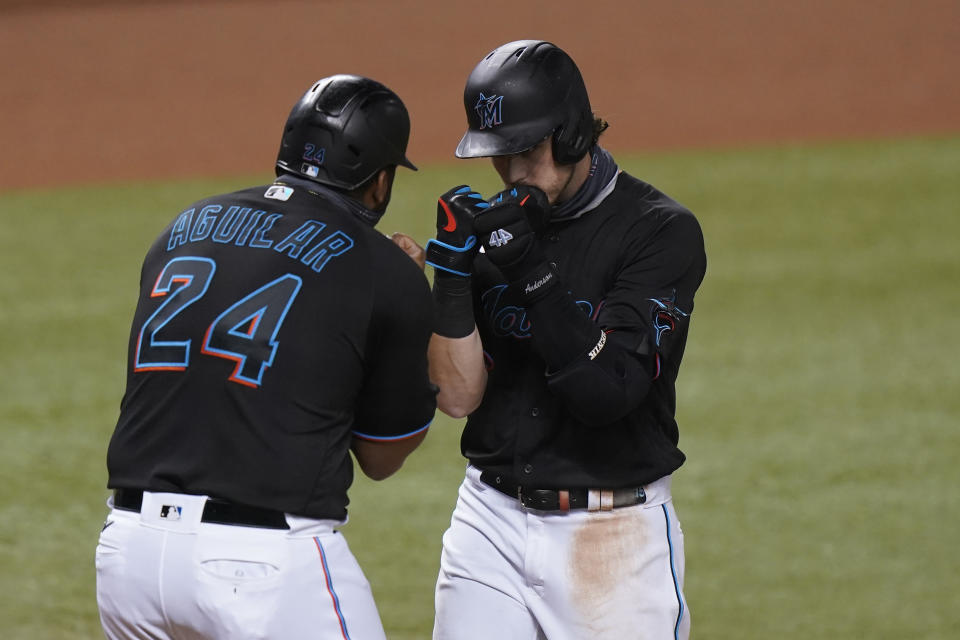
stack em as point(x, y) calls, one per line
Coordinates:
point(215, 511)
point(564, 499)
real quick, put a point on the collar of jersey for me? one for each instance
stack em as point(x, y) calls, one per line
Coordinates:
point(335, 197)
point(598, 185)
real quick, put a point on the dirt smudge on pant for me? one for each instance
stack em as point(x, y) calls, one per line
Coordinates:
point(606, 551)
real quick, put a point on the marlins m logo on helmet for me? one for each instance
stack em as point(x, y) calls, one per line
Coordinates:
point(489, 110)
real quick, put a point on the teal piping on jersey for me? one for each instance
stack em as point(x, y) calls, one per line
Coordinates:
point(333, 594)
point(673, 570)
point(367, 436)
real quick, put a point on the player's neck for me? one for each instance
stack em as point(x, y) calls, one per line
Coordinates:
point(581, 170)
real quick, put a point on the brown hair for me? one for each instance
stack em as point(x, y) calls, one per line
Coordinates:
point(599, 126)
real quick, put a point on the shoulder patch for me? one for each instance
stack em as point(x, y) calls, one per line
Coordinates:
point(278, 192)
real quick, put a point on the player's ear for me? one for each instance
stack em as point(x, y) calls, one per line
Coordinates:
point(377, 196)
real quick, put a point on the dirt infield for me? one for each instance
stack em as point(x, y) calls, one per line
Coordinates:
point(105, 91)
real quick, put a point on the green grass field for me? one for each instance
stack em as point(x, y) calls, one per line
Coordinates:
point(818, 400)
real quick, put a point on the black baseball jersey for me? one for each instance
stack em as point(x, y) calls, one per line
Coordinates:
point(274, 324)
point(632, 265)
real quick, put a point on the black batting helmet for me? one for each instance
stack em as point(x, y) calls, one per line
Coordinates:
point(343, 130)
point(519, 94)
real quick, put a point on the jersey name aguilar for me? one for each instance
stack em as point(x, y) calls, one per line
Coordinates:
point(311, 243)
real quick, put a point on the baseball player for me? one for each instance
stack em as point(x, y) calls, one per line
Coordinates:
point(562, 310)
point(276, 332)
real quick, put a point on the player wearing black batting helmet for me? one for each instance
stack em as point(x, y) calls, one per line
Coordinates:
point(276, 332)
point(343, 130)
point(562, 309)
point(521, 93)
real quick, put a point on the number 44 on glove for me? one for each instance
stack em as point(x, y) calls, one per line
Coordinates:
point(499, 237)
point(508, 232)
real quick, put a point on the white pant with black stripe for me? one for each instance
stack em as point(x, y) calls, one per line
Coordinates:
point(179, 578)
point(513, 573)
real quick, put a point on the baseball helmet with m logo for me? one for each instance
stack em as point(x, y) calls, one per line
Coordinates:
point(521, 93)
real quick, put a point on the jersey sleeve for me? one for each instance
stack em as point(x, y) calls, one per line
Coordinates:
point(640, 328)
point(397, 400)
point(652, 297)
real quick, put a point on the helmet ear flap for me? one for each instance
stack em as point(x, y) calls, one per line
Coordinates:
point(571, 143)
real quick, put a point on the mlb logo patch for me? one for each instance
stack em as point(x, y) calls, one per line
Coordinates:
point(310, 170)
point(278, 192)
point(170, 512)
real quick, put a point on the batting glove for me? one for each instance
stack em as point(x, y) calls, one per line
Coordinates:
point(456, 244)
point(451, 255)
point(507, 232)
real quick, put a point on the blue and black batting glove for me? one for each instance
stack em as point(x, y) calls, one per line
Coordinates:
point(455, 246)
point(532, 200)
point(508, 235)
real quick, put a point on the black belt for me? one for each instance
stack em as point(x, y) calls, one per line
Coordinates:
point(215, 511)
point(564, 499)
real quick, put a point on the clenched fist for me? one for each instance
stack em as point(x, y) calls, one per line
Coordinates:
point(456, 244)
point(507, 232)
point(410, 247)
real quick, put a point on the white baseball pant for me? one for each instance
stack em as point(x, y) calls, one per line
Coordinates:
point(512, 573)
point(163, 577)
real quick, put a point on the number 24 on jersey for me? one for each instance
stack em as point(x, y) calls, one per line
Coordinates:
point(244, 332)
